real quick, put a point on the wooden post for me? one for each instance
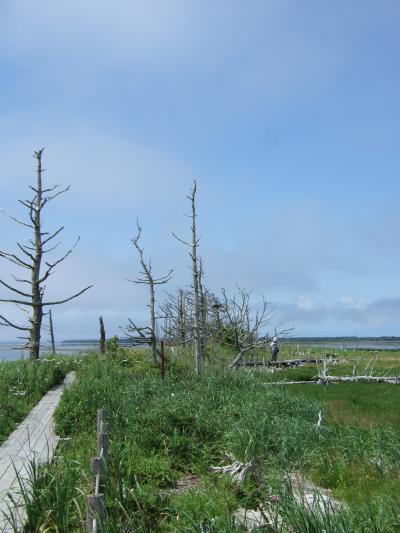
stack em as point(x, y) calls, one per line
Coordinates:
point(103, 438)
point(99, 469)
point(98, 466)
point(102, 336)
point(95, 513)
point(101, 413)
point(162, 364)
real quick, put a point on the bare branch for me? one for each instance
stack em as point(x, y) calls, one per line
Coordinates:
point(58, 193)
point(11, 288)
point(5, 322)
point(67, 299)
point(19, 280)
point(51, 266)
point(52, 236)
point(181, 240)
point(15, 219)
point(22, 248)
point(11, 301)
point(15, 259)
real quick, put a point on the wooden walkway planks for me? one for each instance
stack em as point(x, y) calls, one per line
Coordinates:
point(34, 439)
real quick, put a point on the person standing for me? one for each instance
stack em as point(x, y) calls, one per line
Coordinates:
point(274, 349)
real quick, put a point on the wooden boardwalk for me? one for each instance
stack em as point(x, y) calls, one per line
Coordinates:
point(34, 439)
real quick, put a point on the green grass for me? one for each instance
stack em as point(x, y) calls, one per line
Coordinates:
point(165, 430)
point(22, 385)
point(359, 404)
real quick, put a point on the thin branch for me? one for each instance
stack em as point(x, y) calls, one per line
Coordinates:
point(11, 288)
point(5, 322)
point(181, 240)
point(15, 259)
point(16, 302)
point(67, 299)
point(52, 236)
point(15, 219)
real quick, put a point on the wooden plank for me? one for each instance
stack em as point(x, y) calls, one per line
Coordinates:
point(33, 439)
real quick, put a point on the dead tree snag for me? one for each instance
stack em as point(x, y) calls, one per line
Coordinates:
point(31, 258)
point(147, 335)
point(193, 245)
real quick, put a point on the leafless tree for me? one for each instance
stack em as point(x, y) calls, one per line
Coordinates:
point(193, 245)
point(147, 335)
point(247, 328)
point(31, 258)
point(177, 311)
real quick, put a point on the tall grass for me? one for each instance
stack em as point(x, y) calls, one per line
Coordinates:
point(164, 430)
point(22, 385)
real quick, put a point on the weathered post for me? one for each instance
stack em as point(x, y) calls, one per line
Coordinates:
point(162, 365)
point(95, 513)
point(102, 336)
point(95, 507)
point(103, 438)
point(101, 413)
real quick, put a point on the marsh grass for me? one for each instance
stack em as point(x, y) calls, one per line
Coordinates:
point(164, 430)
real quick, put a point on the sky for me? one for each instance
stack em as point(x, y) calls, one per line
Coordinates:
point(286, 113)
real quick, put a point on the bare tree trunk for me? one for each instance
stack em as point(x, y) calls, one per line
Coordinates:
point(196, 289)
point(37, 309)
point(197, 337)
point(102, 336)
point(154, 350)
point(53, 344)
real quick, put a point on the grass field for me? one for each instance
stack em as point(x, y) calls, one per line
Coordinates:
point(165, 431)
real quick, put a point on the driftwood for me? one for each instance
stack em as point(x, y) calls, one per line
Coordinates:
point(394, 380)
point(237, 470)
point(280, 364)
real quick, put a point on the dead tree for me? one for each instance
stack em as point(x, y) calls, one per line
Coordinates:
point(178, 317)
point(193, 245)
point(48, 329)
point(147, 335)
point(51, 329)
point(248, 329)
point(31, 258)
point(102, 336)
point(236, 311)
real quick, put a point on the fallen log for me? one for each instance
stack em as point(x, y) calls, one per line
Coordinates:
point(280, 364)
point(394, 380)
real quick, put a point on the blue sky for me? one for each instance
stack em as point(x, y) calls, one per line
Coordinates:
point(287, 113)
